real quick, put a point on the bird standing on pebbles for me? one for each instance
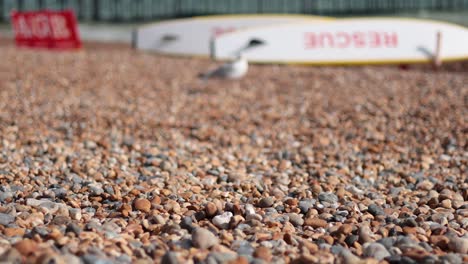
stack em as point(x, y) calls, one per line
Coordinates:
point(235, 69)
point(232, 70)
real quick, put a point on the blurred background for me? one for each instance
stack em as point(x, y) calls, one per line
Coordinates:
point(113, 20)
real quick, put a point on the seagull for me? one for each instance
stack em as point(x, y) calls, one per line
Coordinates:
point(235, 69)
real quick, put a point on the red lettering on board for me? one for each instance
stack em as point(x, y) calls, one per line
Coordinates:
point(343, 40)
point(310, 40)
point(326, 39)
point(391, 39)
point(359, 40)
point(216, 31)
point(374, 40)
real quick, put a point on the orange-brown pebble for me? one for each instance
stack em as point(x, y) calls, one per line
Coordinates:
point(26, 246)
point(142, 205)
point(315, 222)
point(263, 253)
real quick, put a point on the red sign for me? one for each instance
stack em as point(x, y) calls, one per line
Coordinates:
point(46, 29)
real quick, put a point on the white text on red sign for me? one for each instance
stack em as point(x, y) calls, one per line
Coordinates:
point(42, 26)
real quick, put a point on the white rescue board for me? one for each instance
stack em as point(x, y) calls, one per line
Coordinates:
point(192, 36)
point(349, 41)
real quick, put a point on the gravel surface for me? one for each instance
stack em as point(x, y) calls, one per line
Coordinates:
point(116, 156)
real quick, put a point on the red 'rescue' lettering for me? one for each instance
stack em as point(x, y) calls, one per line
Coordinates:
point(359, 40)
point(310, 40)
point(216, 31)
point(374, 39)
point(343, 40)
point(391, 39)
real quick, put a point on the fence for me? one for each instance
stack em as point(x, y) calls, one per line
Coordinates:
point(143, 10)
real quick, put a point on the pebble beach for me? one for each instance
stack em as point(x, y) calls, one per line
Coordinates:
point(109, 155)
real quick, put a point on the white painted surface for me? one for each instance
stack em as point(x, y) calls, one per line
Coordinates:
point(359, 40)
point(192, 36)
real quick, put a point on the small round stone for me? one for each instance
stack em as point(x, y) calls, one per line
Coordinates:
point(263, 253)
point(211, 209)
point(296, 219)
point(376, 250)
point(142, 204)
point(266, 202)
point(203, 239)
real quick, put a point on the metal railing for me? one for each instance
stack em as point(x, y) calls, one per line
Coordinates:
point(144, 10)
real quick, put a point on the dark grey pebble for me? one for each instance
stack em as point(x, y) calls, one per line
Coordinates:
point(169, 258)
point(266, 202)
point(387, 242)
point(349, 240)
point(375, 210)
point(40, 230)
point(187, 224)
point(74, 228)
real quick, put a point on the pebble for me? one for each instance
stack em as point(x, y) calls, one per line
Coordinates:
point(350, 258)
point(221, 257)
point(96, 189)
point(170, 258)
point(94, 259)
point(315, 222)
point(295, 219)
point(249, 209)
point(328, 197)
point(6, 219)
point(305, 205)
point(4, 196)
point(451, 258)
point(263, 253)
point(211, 209)
point(203, 239)
point(74, 228)
point(26, 247)
point(142, 204)
point(266, 202)
point(345, 229)
point(222, 221)
point(375, 250)
point(458, 244)
point(75, 213)
point(187, 223)
point(11, 231)
point(375, 210)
